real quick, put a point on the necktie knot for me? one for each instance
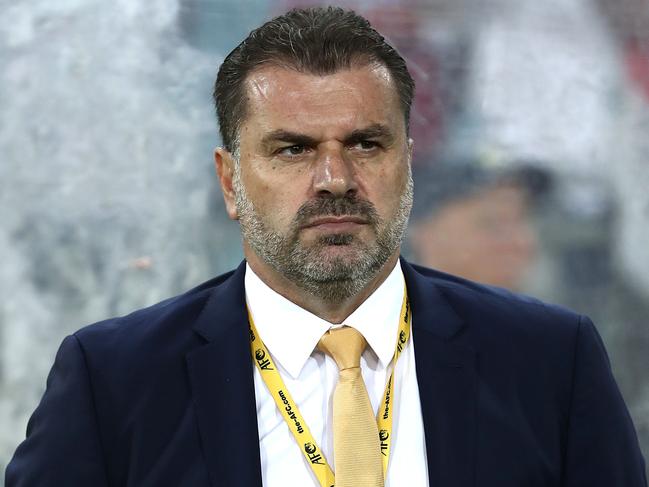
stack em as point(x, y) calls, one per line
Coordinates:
point(345, 345)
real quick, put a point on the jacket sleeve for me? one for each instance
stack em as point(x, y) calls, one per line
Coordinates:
point(62, 445)
point(602, 447)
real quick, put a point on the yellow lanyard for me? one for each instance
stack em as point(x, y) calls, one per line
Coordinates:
point(294, 418)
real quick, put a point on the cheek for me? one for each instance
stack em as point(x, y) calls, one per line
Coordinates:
point(279, 203)
point(388, 187)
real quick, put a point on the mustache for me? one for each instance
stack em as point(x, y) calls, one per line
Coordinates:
point(347, 205)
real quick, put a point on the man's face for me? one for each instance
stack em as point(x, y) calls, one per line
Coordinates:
point(322, 187)
point(486, 237)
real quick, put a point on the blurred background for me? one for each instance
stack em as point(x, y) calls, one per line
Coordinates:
point(531, 128)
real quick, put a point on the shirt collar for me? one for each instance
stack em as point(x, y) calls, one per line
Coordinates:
point(377, 318)
point(291, 333)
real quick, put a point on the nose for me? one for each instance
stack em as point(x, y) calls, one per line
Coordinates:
point(334, 174)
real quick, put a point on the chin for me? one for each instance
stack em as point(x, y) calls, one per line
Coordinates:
point(340, 253)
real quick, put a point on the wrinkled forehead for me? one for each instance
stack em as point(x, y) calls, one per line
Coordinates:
point(359, 94)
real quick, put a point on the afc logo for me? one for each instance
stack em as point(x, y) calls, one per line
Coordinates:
point(264, 363)
point(383, 437)
point(252, 334)
point(311, 450)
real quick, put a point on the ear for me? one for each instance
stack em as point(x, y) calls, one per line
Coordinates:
point(224, 163)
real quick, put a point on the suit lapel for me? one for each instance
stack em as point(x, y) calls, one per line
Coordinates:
point(221, 379)
point(447, 384)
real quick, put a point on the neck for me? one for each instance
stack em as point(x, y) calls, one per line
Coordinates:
point(335, 312)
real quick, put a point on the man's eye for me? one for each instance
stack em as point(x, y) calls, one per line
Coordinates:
point(293, 150)
point(365, 145)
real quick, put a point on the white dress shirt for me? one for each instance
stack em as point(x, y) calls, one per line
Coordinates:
point(291, 334)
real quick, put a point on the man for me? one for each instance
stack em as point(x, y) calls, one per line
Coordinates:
point(476, 222)
point(237, 382)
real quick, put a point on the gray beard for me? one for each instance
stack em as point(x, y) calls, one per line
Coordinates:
point(329, 279)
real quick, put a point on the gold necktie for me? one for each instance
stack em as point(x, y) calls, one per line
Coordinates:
point(357, 451)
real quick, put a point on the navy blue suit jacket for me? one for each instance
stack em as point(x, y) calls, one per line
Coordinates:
point(514, 393)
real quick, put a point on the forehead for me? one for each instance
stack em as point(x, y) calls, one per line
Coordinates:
point(281, 97)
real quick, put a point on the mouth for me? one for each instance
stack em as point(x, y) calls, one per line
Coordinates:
point(336, 223)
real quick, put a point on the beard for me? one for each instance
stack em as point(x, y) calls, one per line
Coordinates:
point(330, 278)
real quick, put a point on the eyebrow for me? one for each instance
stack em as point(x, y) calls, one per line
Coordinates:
point(287, 136)
point(374, 131)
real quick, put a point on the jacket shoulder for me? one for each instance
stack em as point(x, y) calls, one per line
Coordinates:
point(495, 309)
point(145, 330)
